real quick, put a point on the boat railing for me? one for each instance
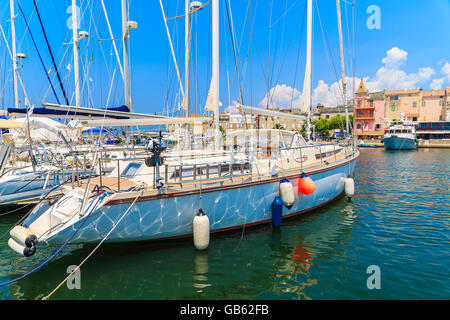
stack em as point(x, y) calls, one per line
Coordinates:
point(235, 164)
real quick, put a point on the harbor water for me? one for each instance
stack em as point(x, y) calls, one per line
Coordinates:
point(398, 221)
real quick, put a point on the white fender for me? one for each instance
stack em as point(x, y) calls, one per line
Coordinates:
point(349, 187)
point(287, 194)
point(20, 235)
point(201, 231)
point(20, 249)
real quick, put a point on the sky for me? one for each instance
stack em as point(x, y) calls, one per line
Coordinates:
point(398, 44)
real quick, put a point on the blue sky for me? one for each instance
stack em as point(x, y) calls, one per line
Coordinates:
point(411, 49)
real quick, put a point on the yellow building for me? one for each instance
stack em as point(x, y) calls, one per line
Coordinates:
point(402, 105)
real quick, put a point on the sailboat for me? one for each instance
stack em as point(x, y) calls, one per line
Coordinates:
point(28, 168)
point(268, 175)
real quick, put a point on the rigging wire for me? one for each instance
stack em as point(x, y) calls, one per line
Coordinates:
point(331, 61)
point(37, 51)
point(50, 51)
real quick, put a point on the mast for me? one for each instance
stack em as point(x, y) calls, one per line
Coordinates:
point(14, 53)
point(75, 53)
point(307, 82)
point(187, 58)
point(341, 47)
point(215, 66)
point(126, 67)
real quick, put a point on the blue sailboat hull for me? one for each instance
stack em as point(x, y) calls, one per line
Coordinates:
point(228, 207)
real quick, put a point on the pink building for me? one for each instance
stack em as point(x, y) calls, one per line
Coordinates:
point(369, 113)
point(433, 106)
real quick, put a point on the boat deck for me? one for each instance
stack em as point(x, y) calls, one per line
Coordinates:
point(203, 185)
point(110, 182)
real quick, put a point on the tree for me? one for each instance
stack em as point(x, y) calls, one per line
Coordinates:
point(338, 122)
point(322, 127)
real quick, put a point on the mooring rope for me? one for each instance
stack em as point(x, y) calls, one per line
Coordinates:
point(14, 210)
point(44, 198)
point(95, 249)
point(52, 256)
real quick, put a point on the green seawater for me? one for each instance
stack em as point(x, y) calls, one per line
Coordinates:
point(399, 220)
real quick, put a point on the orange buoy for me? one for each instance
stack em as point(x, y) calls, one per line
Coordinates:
point(306, 185)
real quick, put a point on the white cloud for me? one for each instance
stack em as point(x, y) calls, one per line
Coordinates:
point(395, 58)
point(446, 70)
point(282, 97)
point(390, 76)
point(437, 84)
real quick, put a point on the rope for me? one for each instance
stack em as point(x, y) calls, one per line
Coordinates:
point(95, 249)
point(52, 256)
point(14, 210)
point(44, 198)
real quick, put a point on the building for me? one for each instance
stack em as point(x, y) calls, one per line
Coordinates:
point(271, 122)
point(197, 128)
point(433, 106)
point(328, 113)
point(447, 99)
point(369, 113)
point(434, 130)
point(236, 121)
point(403, 105)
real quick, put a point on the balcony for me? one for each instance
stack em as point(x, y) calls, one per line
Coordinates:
point(365, 118)
point(365, 108)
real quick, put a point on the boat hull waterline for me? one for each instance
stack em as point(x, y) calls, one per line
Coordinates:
point(227, 207)
point(400, 143)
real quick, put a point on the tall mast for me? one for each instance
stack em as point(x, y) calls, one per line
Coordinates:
point(126, 67)
point(341, 47)
point(187, 58)
point(75, 53)
point(307, 81)
point(215, 65)
point(14, 53)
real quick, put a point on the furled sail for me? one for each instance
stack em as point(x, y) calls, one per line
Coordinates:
point(210, 103)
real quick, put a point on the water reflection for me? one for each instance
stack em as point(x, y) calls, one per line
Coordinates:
point(321, 255)
point(201, 269)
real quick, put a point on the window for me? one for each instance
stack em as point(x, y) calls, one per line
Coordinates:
point(378, 127)
point(394, 98)
point(423, 103)
point(393, 107)
point(414, 104)
point(441, 102)
point(415, 119)
point(131, 170)
point(358, 126)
